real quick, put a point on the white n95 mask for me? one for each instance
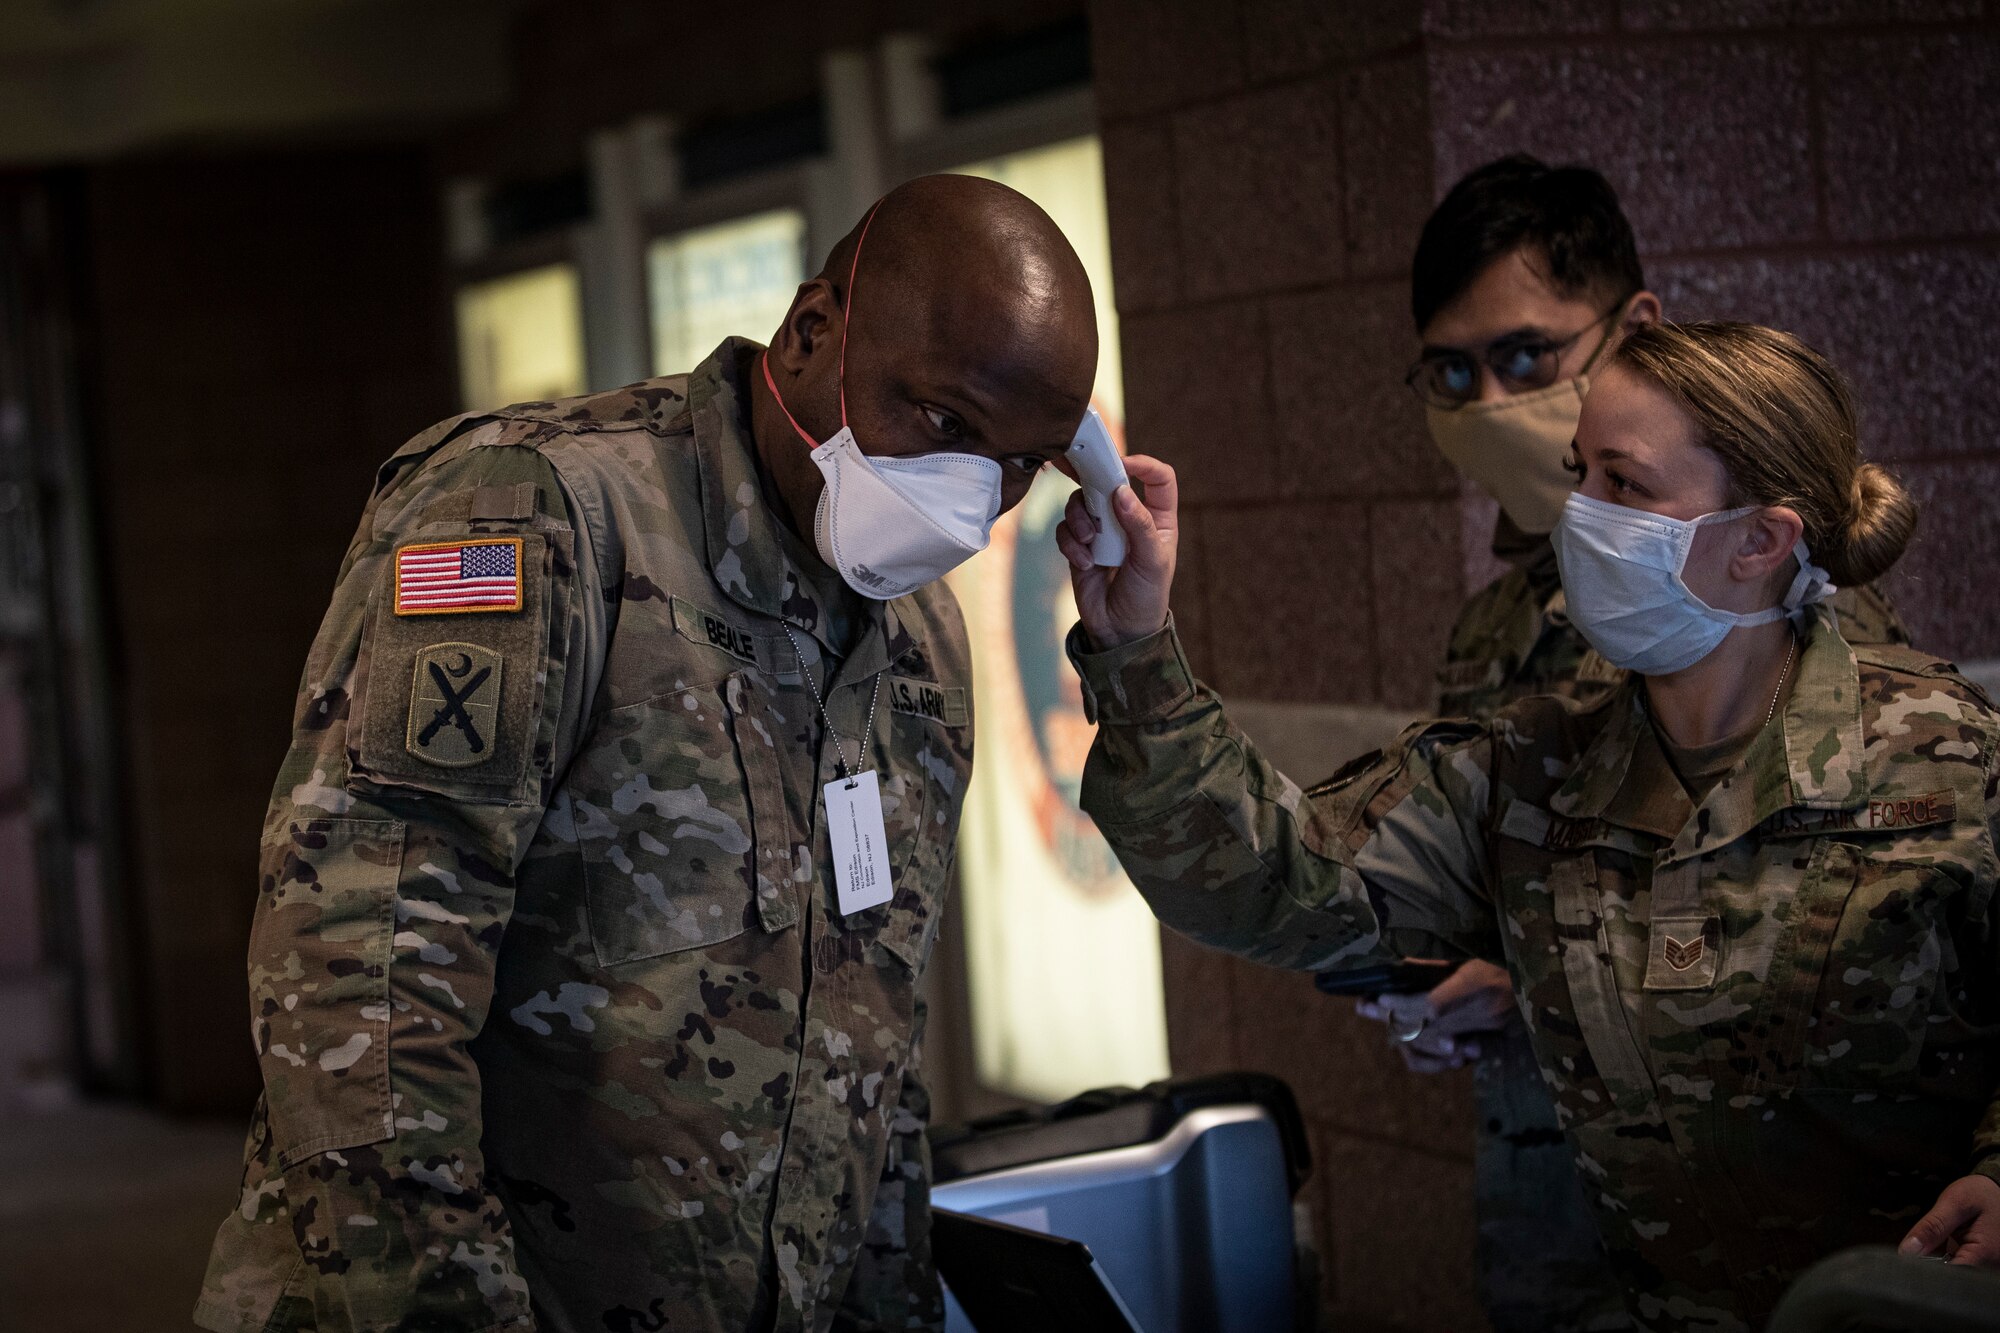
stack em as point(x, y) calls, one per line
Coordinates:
point(891, 525)
point(1513, 449)
point(1621, 577)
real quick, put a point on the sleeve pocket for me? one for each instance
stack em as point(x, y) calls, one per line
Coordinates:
point(319, 982)
point(454, 704)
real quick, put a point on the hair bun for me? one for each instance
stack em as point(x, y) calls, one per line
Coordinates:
point(1881, 517)
point(1781, 418)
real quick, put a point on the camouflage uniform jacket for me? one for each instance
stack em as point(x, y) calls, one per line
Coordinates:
point(1541, 1263)
point(560, 1025)
point(1771, 1024)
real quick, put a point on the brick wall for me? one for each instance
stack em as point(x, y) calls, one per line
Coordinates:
point(1269, 163)
point(1268, 166)
point(1807, 165)
point(268, 330)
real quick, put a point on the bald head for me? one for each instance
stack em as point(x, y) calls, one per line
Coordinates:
point(942, 249)
point(968, 327)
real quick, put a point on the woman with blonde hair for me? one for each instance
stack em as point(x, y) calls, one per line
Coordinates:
point(1746, 900)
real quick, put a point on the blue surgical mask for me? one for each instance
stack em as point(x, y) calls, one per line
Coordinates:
point(1621, 576)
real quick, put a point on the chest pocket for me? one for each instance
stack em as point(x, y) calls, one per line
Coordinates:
point(681, 823)
point(1588, 948)
point(1866, 961)
point(924, 762)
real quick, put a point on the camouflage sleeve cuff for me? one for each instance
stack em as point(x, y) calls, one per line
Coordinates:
point(1988, 1166)
point(1142, 681)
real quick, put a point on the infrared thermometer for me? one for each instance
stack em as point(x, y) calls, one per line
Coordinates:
point(1101, 472)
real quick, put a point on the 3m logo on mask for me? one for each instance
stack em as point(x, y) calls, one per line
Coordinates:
point(862, 574)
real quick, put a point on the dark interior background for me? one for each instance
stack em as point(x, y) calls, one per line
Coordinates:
point(225, 297)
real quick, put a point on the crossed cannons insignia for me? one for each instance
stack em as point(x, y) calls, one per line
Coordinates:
point(453, 702)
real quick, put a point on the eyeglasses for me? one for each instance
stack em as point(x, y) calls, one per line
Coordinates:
point(1520, 361)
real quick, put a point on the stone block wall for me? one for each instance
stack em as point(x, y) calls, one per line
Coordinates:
point(1826, 167)
point(1829, 168)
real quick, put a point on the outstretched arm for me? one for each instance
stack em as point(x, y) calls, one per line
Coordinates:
point(1387, 859)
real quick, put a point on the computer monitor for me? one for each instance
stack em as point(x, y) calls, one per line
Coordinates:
point(1011, 1280)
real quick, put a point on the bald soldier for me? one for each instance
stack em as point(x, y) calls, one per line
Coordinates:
point(612, 841)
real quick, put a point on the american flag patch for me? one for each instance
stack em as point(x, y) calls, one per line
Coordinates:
point(482, 574)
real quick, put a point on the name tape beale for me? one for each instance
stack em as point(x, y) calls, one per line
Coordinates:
point(860, 844)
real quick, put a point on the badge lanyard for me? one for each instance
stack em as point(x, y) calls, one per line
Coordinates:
point(854, 829)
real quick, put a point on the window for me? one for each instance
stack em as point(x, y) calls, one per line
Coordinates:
point(736, 277)
point(520, 337)
point(1063, 955)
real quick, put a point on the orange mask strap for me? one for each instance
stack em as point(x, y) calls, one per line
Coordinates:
point(854, 267)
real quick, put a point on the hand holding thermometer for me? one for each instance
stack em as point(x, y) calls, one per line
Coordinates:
point(1101, 472)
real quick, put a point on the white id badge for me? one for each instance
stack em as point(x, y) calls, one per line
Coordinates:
point(859, 842)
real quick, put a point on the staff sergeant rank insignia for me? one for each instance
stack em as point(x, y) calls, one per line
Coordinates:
point(1684, 954)
point(452, 704)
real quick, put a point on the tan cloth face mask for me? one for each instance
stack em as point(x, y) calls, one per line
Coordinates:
point(1514, 448)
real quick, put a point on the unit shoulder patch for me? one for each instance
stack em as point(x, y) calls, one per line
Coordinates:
point(463, 575)
point(454, 700)
point(454, 707)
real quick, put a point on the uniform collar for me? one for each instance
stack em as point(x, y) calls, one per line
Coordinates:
point(1813, 759)
point(1825, 752)
point(1601, 770)
point(753, 557)
point(1545, 611)
point(1529, 551)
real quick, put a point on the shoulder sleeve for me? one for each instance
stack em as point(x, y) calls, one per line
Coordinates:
point(1494, 632)
point(1387, 859)
point(1866, 615)
point(445, 685)
point(1981, 951)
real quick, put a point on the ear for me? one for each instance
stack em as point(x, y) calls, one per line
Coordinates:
point(1768, 538)
point(1643, 309)
point(811, 326)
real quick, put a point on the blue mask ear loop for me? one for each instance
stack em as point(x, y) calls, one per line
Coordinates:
point(853, 267)
point(1813, 583)
point(1810, 585)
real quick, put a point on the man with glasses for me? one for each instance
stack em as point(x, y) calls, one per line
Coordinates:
point(1523, 279)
